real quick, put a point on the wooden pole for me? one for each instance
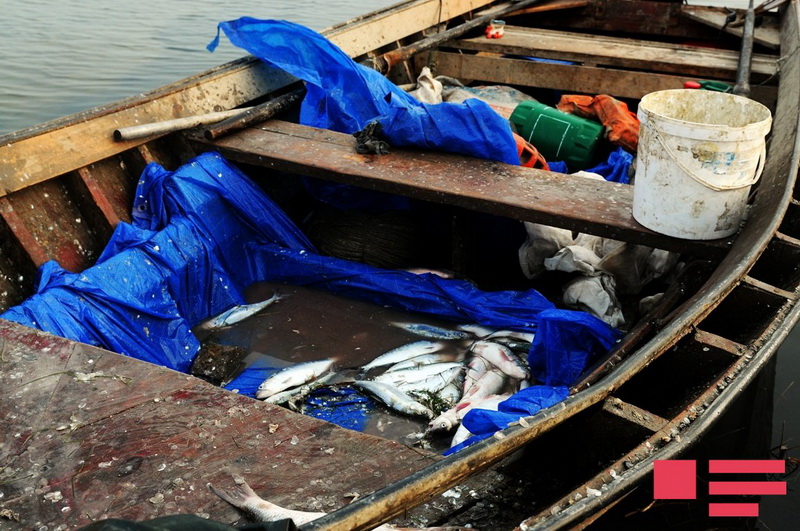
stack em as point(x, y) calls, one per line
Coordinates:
point(256, 114)
point(742, 87)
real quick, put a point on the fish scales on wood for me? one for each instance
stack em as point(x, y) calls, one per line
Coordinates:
point(585, 205)
point(166, 432)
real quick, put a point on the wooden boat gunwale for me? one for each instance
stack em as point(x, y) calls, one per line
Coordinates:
point(776, 189)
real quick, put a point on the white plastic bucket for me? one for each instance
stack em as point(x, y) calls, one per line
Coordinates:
point(699, 153)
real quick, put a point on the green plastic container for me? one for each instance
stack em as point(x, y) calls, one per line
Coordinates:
point(558, 136)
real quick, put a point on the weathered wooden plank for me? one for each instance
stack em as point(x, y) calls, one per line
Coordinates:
point(374, 30)
point(602, 50)
point(49, 218)
point(767, 34)
point(89, 434)
point(29, 160)
point(769, 288)
point(596, 207)
point(639, 17)
point(713, 340)
point(569, 78)
point(95, 191)
point(640, 417)
point(21, 232)
point(552, 5)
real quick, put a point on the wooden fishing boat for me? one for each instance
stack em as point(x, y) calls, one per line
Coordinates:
point(89, 434)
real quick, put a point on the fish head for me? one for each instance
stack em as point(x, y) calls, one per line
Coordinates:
point(439, 425)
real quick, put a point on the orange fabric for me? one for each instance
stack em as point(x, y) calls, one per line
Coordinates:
point(529, 156)
point(622, 126)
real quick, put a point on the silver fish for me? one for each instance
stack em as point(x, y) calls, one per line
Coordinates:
point(243, 498)
point(238, 313)
point(452, 417)
point(476, 330)
point(451, 393)
point(415, 375)
point(522, 336)
point(431, 384)
point(437, 272)
point(491, 383)
point(501, 357)
point(410, 350)
point(293, 376)
point(394, 398)
point(433, 332)
point(424, 359)
point(490, 403)
point(477, 367)
point(296, 393)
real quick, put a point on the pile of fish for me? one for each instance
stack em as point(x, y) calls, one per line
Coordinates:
point(440, 377)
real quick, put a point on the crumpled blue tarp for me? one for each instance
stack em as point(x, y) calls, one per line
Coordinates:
point(200, 236)
point(344, 96)
point(344, 407)
point(615, 168)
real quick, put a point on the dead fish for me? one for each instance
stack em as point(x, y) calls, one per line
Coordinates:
point(437, 272)
point(245, 499)
point(433, 332)
point(476, 330)
point(394, 398)
point(416, 375)
point(490, 403)
point(431, 384)
point(293, 376)
point(410, 350)
point(476, 368)
point(491, 383)
point(424, 359)
point(238, 313)
point(522, 336)
point(451, 418)
point(451, 393)
point(501, 357)
point(301, 391)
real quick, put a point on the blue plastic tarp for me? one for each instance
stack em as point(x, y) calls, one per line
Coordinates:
point(345, 96)
point(615, 168)
point(203, 233)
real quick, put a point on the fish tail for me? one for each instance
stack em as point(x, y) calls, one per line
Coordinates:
point(237, 497)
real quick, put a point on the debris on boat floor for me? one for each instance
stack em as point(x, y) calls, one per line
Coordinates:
point(215, 362)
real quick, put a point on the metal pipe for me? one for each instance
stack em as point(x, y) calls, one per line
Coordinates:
point(742, 87)
point(168, 126)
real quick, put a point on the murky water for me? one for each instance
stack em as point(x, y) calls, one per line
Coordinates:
point(307, 324)
point(61, 57)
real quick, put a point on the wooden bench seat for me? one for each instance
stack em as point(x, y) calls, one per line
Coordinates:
point(576, 203)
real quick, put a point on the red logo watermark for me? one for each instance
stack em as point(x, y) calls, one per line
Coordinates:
point(677, 480)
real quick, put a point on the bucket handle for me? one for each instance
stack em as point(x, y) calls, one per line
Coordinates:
point(715, 187)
